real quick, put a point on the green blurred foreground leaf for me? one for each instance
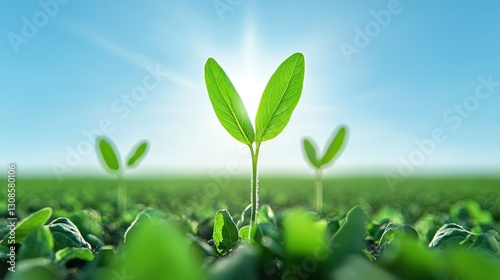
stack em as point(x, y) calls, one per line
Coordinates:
point(158, 250)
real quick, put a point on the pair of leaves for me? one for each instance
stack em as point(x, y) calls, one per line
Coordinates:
point(333, 149)
point(109, 154)
point(277, 103)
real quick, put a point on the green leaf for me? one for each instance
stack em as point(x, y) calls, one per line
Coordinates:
point(28, 224)
point(243, 264)
point(266, 215)
point(39, 269)
point(357, 267)
point(486, 242)
point(335, 146)
point(108, 153)
point(349, 239)
point(66, 234)
point(225, 231)
point(302, 233)
point(311, 153)
point(244, 234)
point(393, 231)
point(138, 154)
point(227, 103)
point(66, 254)
point(38, 244)
point(280, 98)
point(450, 236)
point(88, 222)
point(158, 250)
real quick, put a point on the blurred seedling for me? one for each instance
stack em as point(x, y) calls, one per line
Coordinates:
point(110, 160)
point(333, 150)
point(279, 99)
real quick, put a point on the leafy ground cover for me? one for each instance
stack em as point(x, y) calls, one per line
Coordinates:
point(198, 228)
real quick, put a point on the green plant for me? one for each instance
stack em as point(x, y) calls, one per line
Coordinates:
point(333, 149)
point(277, 103)
point(110, 159)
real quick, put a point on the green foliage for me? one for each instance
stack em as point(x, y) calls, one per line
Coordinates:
point(158, 250)
point(227, 103)
point(88, 222)
point(225, 231)
point(110, 157)
point(39, 269)
point(66, 234)
point(451, 235)
point(241, 266)
point(108, 153)
point(427, 226)
point(349, 240)
point(38, 244)
point(280, 98)
point(393, 231)
point(334, 147)
point(70, 253)
point(311, 153)
point(303, 234)
point(288, 243)
point(138, 154)
point(30, 223)
point(487, 242)
point(145, 217)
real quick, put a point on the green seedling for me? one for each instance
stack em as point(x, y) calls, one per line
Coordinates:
point(333, 149)
point(110, 159)
point(279, 99)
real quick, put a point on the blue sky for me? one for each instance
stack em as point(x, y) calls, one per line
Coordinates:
point(395, 72)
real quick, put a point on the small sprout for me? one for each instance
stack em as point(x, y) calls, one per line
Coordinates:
point(277, 103)
point(336, 145)
point(109, 155)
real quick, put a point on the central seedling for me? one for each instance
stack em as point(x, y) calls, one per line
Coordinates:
point(277, 103)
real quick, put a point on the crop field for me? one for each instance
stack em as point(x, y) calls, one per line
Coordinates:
point(174, 229)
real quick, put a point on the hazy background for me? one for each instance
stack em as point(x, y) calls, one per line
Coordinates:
point(68, 69)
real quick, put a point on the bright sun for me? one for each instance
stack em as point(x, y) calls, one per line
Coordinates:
point(250, 89)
